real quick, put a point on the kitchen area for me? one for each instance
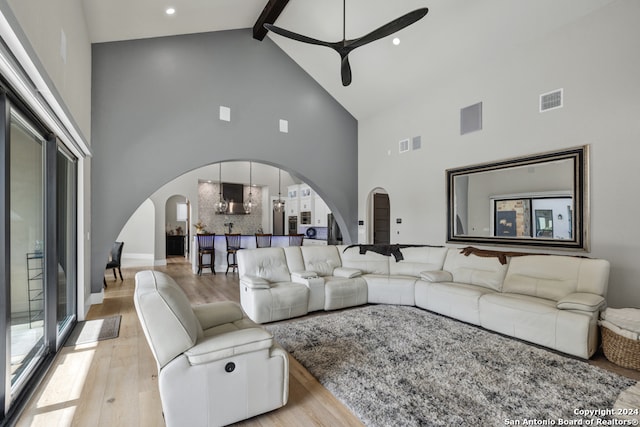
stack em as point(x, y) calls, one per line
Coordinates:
point(308, 214)
point(244, 198)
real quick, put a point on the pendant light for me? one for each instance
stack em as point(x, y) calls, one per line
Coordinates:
point(221, 205)
point(278, 205)
point(249, 204)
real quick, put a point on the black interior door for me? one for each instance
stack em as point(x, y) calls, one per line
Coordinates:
point(381, 219)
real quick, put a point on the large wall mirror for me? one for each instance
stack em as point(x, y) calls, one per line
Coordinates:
point(540, 200)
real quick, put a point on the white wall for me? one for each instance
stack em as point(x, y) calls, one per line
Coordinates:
point(44, 22)
point(138, 236)
point(595, 60)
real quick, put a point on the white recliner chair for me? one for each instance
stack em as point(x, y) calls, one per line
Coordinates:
point(215, 365)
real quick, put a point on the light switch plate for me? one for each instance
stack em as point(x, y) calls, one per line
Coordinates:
point(225, 113)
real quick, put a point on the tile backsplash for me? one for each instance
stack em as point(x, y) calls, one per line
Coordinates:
point(208, 195)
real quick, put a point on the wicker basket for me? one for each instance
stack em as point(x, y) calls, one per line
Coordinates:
point(620, 350)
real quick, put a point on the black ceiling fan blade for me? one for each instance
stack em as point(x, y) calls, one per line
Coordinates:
point(345, 71)
point(390, 28)
point(297, 37)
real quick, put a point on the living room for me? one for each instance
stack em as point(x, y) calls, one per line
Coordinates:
point(148, 108)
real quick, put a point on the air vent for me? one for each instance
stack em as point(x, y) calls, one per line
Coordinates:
point(403, 146)
point(416, 143)
point(551, 100)
point(471, 118)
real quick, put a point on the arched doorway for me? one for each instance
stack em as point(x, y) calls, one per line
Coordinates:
point(177, 226)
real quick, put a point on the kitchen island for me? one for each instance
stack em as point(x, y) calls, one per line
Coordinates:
point(247, 241)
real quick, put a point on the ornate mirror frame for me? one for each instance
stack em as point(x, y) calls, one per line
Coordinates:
point(518, 184)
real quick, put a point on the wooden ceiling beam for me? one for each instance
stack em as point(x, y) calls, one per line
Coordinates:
point(269, 14)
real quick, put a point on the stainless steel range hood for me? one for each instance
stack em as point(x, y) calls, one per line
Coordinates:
point(234, 195)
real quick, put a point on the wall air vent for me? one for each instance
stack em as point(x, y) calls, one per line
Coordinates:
point(403, 146)
point(416, 143)
point(471, 118)
point(551, 100)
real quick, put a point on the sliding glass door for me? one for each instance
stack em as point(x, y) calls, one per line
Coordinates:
point(38, 248)
point(27, 301)
point(66, 226)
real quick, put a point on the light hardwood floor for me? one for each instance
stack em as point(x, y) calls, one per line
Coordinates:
point(114, 382)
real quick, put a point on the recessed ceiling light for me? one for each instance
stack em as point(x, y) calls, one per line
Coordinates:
point(396, 41)
point(170, 11)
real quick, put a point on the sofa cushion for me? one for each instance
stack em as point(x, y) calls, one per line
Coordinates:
point(475, 270)
point(321, 259)
point(168, 321)
point(341, 292)
point(294, 258)
point(416, 260)
point(436, 276)
point(539, 321)
point(369, 263)
point(554, 277)
point(581, 301)
point(254, 282)
point(304, 274)
point(289, 297)
point(383, 289)
point(267, 263)
point(457, 300)
point(347, 272)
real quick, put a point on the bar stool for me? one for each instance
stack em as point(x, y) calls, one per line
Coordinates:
point(233, 246)
point(263, 240)
point(296, 239)
point(205, 247)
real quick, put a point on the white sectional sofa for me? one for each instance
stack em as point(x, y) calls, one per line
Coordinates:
point(550, 300)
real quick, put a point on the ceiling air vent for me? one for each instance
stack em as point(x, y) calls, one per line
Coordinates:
point(403, 146)
point(551, 100)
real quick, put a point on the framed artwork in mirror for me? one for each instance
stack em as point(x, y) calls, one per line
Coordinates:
point(538, 200)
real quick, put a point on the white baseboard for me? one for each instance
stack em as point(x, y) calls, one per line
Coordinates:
point(137, 260)
point(96, 298)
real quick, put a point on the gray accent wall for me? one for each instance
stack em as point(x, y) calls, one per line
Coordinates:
point(155, 109)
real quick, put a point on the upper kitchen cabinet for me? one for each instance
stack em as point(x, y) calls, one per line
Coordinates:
point(306, 199)
point(293, 202)
point(320, 212)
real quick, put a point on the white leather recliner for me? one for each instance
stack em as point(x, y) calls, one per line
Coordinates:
point(215, 365)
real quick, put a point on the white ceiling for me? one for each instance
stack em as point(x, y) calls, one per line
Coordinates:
point(455, 35)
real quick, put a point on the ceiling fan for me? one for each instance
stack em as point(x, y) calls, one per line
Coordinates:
point(345, 46)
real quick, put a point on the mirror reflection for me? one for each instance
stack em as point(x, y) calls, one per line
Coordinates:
point(536, 200)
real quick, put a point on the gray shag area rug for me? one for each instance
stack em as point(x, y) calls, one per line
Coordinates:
point(398, 365)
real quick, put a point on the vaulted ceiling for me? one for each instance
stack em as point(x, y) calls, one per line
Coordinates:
point(454, 37)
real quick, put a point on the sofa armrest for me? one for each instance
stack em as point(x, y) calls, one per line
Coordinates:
point(581, 301)
point(436, 276)
point(229, 344)
point(304, 274)
point(254, 282)
point(346, 272)
point(217, 313)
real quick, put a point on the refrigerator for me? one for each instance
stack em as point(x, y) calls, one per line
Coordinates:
point(334, 235)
